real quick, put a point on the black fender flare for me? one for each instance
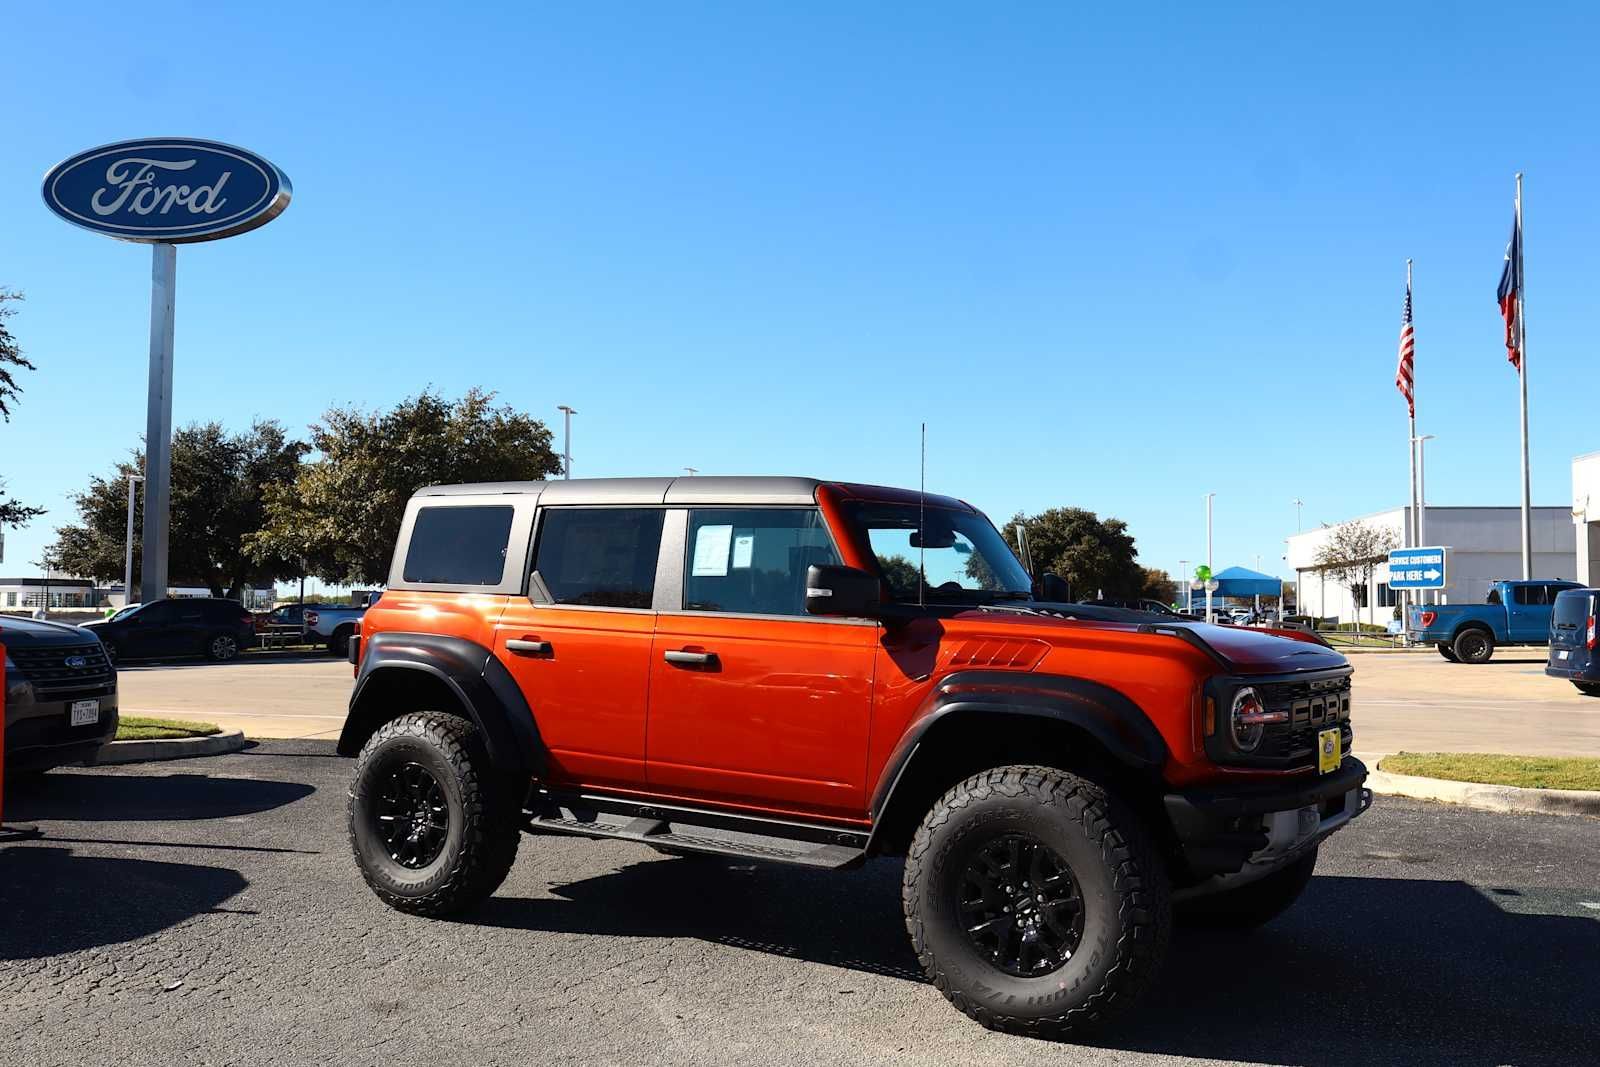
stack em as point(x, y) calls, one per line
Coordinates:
point(1118, 724)
point(480, 683)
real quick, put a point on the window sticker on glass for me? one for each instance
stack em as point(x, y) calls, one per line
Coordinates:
point(744, 547)
point(711, 545)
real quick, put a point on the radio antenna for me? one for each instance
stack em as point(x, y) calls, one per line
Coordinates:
point(922, 524)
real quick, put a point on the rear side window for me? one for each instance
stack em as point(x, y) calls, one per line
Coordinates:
point(599, 557)
point(458, 546)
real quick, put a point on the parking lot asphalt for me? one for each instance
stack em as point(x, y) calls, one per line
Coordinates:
point(1403, 701)
point(209, 912)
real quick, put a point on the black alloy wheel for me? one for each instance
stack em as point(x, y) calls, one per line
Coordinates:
point(1020, 905)
point(411, 817)
point(1474, 646)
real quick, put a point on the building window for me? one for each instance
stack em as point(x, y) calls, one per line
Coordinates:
point(11, 600)
point(1386, 596)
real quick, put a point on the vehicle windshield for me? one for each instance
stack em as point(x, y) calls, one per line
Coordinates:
point(963, 556)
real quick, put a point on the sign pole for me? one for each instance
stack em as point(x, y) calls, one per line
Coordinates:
point(158, 423)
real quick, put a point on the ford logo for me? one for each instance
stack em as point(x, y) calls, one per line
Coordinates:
point(171, 189)
point(77, 663)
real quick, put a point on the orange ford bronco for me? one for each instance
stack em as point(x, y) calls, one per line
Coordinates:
point(818, 673)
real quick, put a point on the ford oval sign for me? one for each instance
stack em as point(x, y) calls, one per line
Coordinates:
point(167, 189)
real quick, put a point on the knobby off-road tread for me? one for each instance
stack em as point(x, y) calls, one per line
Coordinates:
point(1140, 886)
point(490, 833)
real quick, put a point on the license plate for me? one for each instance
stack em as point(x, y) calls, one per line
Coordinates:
point(1562, 654)
point(1329, 751)
point(85, 712)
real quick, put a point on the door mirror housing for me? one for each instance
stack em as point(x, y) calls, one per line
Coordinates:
point(842, 591)
point(1052, 589)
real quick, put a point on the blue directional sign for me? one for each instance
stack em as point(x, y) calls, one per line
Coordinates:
point(1417, 568)
point(167, 190)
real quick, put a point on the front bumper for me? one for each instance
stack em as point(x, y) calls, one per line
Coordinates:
point(39, 736)
point(1230, 836)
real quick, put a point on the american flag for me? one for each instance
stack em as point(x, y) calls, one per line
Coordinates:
point(1408, 348)
point(1510, 292)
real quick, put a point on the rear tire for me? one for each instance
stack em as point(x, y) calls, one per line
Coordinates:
point(1588, 689)
point(1255, 903)
point(433, 827)
point(1473, 646)
point(1035, 901)
point(111, 652)
point(220, 648)
point(339, 643)
point(1447, 652)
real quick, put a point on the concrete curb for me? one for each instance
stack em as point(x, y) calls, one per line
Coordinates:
point(1501, 798)
point(171, 748)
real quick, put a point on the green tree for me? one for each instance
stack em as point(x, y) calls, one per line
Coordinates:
point(219, 481)
point(1351, 553)
point(341, 513)
point(12, 512)
point(1092, 554)
point(1157, 585)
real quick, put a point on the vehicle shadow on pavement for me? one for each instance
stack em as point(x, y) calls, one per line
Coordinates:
point(850, 920)
point(1361, 970)
point(55, 901)
point(63, 795)
point(1381, 970)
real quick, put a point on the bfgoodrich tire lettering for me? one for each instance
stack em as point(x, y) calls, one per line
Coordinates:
point(1125, 898)
point(481, 836)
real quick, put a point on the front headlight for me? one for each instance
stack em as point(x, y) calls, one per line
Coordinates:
point(1249, 719)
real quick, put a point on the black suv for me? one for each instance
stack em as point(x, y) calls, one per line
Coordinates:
point(212, 627)
point(61, 695)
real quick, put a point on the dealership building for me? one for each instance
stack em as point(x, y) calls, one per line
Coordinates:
point(1484, 545)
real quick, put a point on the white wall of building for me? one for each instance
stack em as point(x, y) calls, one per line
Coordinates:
point(1586, 516)
point(1485, 545)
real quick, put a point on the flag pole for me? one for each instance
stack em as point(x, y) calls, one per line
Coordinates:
point(1522, 378)
point(1411, 531)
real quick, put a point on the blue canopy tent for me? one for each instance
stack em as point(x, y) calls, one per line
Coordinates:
point(1244, 582)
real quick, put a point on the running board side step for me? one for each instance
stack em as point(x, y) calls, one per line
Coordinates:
point(692, 830)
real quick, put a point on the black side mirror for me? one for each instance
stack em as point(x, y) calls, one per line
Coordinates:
point(1052, 589)
point(842, 591)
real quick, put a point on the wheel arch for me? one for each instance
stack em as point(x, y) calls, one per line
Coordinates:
point(977, 720)
point(401, 673)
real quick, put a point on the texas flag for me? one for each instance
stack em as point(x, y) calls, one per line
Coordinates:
point(1510, 293)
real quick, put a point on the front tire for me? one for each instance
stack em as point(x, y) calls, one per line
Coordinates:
point(1255, 902)
point(1447, 652)
point(1473, 646)
point(433, 827)
point(111, 652)
point(1035, 901)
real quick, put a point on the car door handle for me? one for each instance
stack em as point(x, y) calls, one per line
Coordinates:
point(528, 648)
point(681, 658)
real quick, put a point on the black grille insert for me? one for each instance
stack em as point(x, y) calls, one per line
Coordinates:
point(61, 670)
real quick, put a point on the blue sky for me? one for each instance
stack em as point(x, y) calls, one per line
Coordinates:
point(769, 238)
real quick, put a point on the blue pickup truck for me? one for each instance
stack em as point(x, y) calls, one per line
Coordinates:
point(1516, 613)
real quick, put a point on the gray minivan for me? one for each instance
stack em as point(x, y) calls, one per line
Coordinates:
point(1572, 640)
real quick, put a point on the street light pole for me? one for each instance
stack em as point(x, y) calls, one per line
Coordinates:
point(566, 440)
point(692, 471)
point(1209, 616)
point(1188, 586)
point(1420, 443)
point(127, 567)
point(1298, 606)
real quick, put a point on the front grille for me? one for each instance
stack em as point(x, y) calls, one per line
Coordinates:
point(1313, 707)
point(56, 674)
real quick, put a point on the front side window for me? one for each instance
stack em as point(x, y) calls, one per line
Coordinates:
point(753, 561)
point(938, 554)
point(1530, 594)
point(599, 557)
point(459, 545)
